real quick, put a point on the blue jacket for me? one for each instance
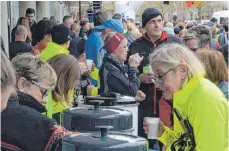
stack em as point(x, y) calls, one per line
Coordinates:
point(223, 86)
point(93, 45)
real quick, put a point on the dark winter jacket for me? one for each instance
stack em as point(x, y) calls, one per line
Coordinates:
point(143, 46)
point(73, 44)
point(118, 78)
point(17, 47)
point(83, 34)
point(32, 29)
point(224, 50)
point(223, 39)
point(25, 127)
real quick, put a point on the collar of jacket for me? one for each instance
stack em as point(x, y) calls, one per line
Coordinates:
point(32, 23)
point(163, 37)
point(181, 97)
point(40, 46)
point(30, 101)
point(113, 60)
point(54, 45)
point(119, 65)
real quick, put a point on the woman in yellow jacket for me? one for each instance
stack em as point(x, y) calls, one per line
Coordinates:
point(68, 75)
point(179, 74)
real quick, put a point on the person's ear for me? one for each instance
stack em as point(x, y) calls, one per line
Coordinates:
point(21, 84)
point(67, 44)
point(48, 37)
point(183, 71)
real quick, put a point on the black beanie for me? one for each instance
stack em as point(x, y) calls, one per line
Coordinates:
point(149, 14)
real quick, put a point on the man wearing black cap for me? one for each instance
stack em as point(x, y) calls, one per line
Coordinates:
point(152, 21)
point(60, 43)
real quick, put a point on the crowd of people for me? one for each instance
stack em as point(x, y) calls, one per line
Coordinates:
point(164, 65)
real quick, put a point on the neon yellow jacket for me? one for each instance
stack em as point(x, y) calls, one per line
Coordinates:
point(95, 75)
point(52, 50)
point(206, 108)
point(217, 37)
point(54, 107)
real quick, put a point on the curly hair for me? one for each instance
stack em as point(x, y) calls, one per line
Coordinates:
point(203, 33)
point(33, 69)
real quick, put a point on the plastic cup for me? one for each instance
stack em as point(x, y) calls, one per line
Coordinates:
point(150, 69)
point(153, 123)
point(89, 63)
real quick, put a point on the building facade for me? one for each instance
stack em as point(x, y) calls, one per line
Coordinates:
point(11, 11)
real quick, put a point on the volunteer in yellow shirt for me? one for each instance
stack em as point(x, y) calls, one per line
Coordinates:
point(179, 74)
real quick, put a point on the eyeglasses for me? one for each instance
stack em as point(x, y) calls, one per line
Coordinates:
point(159, 79)
point(44, 91)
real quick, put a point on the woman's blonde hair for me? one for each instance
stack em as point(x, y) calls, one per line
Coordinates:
point(213, 29)
point(7, 72)
point(68, 73)
point(171, 55)
point(33, 69)
point(215, 65)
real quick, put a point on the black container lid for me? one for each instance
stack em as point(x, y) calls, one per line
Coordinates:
point(84, 119)
point(111, 101)
point(103, 141)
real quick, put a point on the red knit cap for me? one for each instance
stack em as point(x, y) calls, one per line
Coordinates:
point(114, 42)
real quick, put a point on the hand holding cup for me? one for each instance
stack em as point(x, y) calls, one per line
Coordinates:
point(135, 60)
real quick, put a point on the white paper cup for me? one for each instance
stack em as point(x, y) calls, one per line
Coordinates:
point(153, 127)
point(89, 63)
point(150, 69)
